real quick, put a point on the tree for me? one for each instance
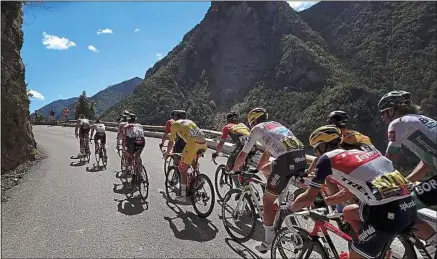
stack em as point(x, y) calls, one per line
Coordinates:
point(85, 107)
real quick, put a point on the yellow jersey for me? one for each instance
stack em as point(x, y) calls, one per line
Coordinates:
point(187, 130)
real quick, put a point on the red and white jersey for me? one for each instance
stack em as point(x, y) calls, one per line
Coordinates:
point(360, 172)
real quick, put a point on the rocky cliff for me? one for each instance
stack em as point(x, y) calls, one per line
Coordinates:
point(18, 144)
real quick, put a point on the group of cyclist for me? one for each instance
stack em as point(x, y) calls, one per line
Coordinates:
point(384, 203)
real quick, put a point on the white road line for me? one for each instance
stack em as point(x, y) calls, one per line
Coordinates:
point(54, 132)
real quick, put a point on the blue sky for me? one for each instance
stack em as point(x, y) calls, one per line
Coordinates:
point(74, 46)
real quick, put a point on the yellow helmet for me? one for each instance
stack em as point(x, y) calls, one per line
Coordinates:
point(325, 134)
point(255, 114)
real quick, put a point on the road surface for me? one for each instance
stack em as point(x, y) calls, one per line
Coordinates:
point(60, 210)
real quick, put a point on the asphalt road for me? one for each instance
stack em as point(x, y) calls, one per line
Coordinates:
point(61, 210)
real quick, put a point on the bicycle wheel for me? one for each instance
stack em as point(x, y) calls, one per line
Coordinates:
point(241, 213)
point(304, 244)
point(98, 157)
point(401, 241)
point(222, 182)
point(143, 182)
point(167, 163)
point(201, 196)
point(172, 184)
point(104, 158)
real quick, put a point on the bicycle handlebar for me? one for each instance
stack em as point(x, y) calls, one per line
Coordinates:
point(214, 157)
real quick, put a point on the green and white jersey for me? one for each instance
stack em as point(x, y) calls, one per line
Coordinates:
point(418, 133)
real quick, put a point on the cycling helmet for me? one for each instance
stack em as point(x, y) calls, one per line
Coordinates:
point(126, 112)
point(255, 114)
point(394, 99)
point(179, 114)
point(132, 117)
point(81, 116)
point(325, 134)
point(97, 121)
point(124, 118)
point(338, 118)
point(232, 116)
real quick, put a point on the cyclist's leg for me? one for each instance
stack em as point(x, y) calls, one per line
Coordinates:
point(103, 143)
point(81, 141)
point(188, 157)
point(96, 143)
point(230, 164)
point(130, 148)
point(277, 181)
point(381, 223)
point(178, 148)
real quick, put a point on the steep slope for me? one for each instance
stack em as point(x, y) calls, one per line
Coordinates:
point(18, 144)
point(388, 44)
point(246, 54)
point(104, 99)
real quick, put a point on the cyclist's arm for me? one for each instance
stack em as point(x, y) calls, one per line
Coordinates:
point(264, 159)
point(322, 171)
point(225, 135)
point(166, 131)
point(92, 131)
point(76, 128)
point(395, 138)
point(171, 138)
point(341, 196)
point(419, 172)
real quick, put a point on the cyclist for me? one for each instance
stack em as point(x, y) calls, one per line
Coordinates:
point(66, 113)
point(121, 123)
point(179, 142)
point(419, 134)
point(385, 205)
point(195, 141)
point(52, 116)
point(100, 135)
point(239, 134)
point(289, 158)
point(82, 131)
point(133, 139)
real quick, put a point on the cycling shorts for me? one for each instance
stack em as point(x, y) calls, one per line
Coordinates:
point(84, 133)
point(189, 153)
point(101, 137)
point(426, 192)
point(382, 223)
point(283, 168)
point(179, 145)
point(135, 145)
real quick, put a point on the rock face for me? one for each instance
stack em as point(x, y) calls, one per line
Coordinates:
point(299, 66)
point(18, 143)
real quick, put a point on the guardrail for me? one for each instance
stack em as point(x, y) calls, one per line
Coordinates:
point(212, 137)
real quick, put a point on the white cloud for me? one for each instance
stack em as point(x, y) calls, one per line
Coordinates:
point(136, 30)
point(300, 6)
point(92, 48)
point(36, 95)
point(159, 56)
point(56, 42)
point(105, 31)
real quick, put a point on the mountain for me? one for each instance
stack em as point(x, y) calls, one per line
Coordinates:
point(18, 144)
point(300, 66)
point(58, 105)
point(104, 99)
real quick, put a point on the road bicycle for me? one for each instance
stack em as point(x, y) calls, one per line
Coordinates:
point(248, 201)
point(136, 176)
point(197, 182)
point(100, 155)
point(223, 182)
point(320, 242)
point(168, 161)
point(87, 156)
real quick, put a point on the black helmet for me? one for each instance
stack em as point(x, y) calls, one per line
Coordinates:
point(132, 117)
point(97, 121)
point(231, 117)
point(179, 114)
point(124, 118)
point(338, 118)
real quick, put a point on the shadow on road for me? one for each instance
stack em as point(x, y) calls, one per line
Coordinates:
point(241, 249)
point(196, 229)
point(95, 169)
point(78, 163)
point(132, 206)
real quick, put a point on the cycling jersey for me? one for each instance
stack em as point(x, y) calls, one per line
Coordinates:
point(84, 124)
point(168, 126)
point(100, 128)
point(355, 140)
point(418, 133)
point(133, 130)
point(120, 128)
point(276, 138)
point(187, 130)
point(370, 176)
point(238, 132)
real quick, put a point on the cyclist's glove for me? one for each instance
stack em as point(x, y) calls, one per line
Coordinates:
point(214, 155)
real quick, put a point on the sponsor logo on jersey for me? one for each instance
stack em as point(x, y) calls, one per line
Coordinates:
point(366, 233)
point(405, 206)
point(425, 187)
